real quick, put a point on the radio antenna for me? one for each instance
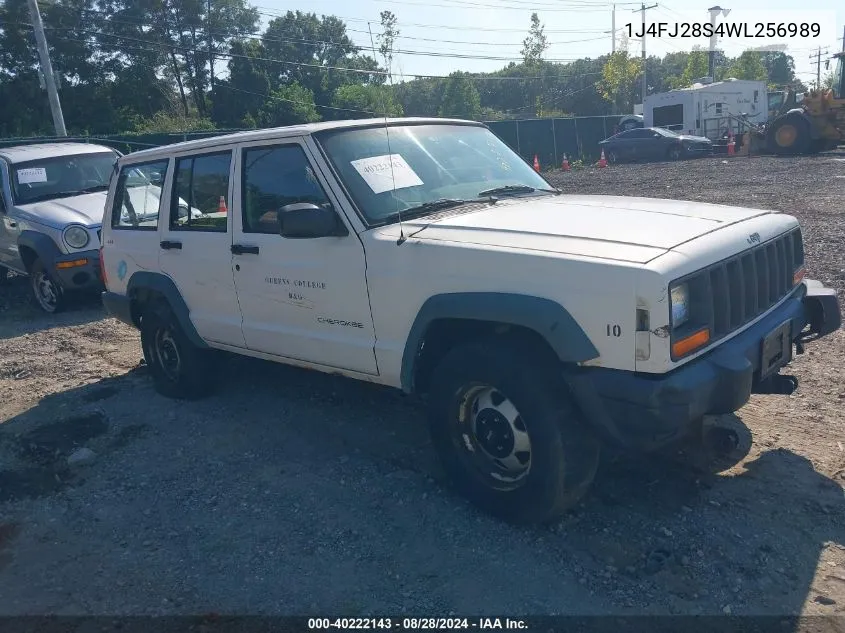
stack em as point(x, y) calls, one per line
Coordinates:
point(402, 237)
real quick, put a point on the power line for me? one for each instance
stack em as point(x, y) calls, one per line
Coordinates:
point(164, 47)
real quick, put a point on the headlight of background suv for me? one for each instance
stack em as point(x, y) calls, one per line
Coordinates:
point(76, 237)
point(679, 300)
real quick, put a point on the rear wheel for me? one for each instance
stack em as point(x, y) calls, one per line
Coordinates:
point(507, 435)
point(179, 368)
point(46, 291)
point(789, 135)
point(674, 153)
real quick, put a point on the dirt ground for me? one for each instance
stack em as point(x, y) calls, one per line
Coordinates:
point(293, 492)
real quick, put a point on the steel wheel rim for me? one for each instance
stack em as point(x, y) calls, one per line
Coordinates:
point(167, 353)
point(46, 292)
point(786, 134)
point(493, 437)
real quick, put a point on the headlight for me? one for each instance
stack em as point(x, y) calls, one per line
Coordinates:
point(679, 300)
point(76, 237)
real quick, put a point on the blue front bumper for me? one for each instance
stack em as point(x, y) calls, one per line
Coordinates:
point(646, 411)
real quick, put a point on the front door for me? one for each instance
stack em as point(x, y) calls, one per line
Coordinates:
point(303, 299)
point(196, 241)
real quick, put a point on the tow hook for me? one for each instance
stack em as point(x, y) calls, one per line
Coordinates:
point(777, 384)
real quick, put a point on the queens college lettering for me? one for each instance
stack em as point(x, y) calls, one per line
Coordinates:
point(298, 283)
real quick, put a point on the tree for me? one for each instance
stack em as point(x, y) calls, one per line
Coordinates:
point(618, 78)
point(288, 105)
point(780, 68)
point(748, 66)
point(314, 53)
point(698, 65)
point(535, 44)
point(360, 102)
point(460, 98)
point(386, 38)
point(238, 99)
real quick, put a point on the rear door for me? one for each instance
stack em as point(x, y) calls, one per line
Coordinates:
point(196, 239)
point(130, 226)
point(303, 299)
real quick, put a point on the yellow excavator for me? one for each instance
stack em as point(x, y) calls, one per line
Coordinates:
point(816, 123)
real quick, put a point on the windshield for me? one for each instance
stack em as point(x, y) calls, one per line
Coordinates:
point(424, 164)
point(60, 176)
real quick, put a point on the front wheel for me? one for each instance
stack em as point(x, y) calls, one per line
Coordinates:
point(46, 291)
point(507, 435)
point(674, 153)
point(179, 368)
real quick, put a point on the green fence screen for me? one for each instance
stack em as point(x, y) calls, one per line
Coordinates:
point(548, 139)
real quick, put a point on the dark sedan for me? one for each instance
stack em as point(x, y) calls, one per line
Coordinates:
point(654, 143)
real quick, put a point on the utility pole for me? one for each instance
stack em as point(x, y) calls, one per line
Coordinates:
point(711, 66)
point(642, 10)
point(613, 31)
point(47, 69)
point(210, 53)
point(818, 57)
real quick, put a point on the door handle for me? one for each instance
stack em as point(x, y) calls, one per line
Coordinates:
point(241, 249)
point(168, 244)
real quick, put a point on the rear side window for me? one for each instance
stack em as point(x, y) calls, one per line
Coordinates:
point(200, 200)
point(137, 196)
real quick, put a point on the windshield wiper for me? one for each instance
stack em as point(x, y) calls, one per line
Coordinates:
point(436, 205)
point(509, 189)
point(94, 188)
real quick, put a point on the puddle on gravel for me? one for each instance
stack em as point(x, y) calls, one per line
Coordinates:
point(49, 443)
point(8, 532)
point(44, 451)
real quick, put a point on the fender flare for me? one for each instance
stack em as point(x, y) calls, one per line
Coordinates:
point(43, 245)
point(164, 285)
point(547, 318)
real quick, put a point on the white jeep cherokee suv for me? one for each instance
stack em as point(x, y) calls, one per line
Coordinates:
point(426, 255)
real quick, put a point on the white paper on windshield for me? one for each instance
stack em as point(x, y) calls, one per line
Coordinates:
point(32, 174)
point(377, 173)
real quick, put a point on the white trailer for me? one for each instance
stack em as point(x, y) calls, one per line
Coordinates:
point(705, 108)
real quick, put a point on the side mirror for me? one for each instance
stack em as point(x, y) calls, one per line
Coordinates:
point(304, 220)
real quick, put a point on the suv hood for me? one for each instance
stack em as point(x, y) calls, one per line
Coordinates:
point(609, 227)
point(84, 209)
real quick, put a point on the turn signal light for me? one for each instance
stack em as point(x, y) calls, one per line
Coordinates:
point(798, 276)
point(691, 343)
point(73, 264)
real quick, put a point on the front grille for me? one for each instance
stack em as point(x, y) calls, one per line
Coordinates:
point(735, 291)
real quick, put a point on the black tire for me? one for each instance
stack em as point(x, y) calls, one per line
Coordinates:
point(179, 369)
point(789, 135)
point(47, 292)
point(563, 455)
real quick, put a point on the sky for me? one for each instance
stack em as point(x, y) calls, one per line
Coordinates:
point(441, 36)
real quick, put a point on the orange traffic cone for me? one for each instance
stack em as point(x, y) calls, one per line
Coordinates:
point(565, 165)
point(731, 144)
point(536, 164)
point(602, 160)
point(221, 205)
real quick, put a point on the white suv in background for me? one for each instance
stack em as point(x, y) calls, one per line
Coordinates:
point(424, 254)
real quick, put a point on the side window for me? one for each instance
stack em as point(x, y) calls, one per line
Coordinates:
point(200, 200)
point(272, 178)
point(137, 196)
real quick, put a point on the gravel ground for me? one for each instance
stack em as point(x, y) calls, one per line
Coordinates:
point(294, 492)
